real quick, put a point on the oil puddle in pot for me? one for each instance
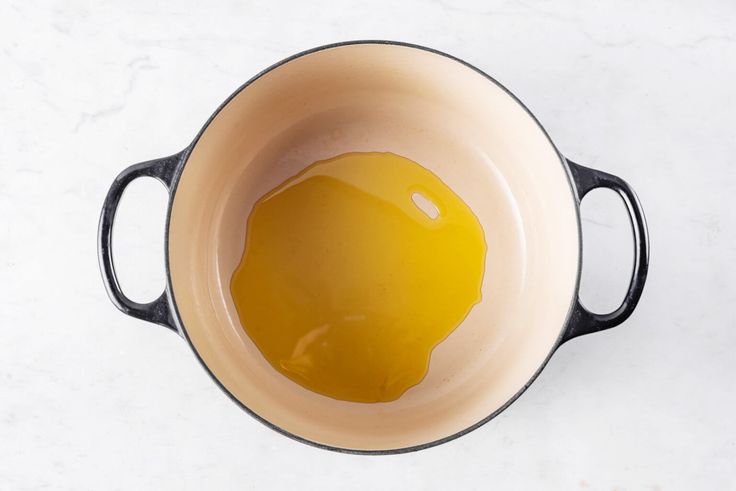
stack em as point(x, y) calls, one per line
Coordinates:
point(354, 270)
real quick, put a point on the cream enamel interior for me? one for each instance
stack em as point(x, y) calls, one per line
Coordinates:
point(435, 111)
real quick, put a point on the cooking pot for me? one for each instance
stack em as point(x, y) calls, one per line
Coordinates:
point(433, 109)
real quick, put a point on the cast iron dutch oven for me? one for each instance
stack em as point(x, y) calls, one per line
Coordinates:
point(460, 124)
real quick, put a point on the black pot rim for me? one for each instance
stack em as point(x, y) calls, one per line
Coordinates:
point(183, 157)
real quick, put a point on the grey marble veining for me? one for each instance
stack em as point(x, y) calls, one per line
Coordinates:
point(91, 399)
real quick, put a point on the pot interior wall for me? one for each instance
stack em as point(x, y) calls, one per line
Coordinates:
point(435, 111)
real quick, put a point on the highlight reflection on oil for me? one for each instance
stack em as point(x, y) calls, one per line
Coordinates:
point(354, 270)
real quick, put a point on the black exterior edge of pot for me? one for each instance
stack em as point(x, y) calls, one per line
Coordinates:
point(164, 311)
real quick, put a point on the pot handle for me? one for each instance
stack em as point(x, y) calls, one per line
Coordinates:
point(157, 311)
point(582, 321)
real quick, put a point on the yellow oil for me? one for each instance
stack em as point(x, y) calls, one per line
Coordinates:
point(354, 270)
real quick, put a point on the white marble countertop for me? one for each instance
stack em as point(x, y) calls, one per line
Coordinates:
point(92, 399)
